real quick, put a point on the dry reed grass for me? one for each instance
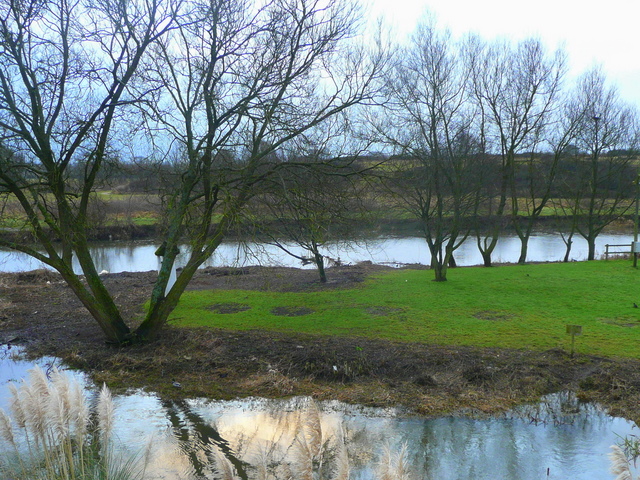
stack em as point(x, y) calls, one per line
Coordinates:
point(394, 465)
point(273, 382)
point(52, 435)
point(620, 464)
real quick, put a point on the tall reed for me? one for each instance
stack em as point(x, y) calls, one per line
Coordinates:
point(51, 434)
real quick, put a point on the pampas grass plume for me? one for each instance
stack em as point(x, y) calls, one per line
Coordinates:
point(6, 428)
point(34, 399)
point(57, 415)
point(105, 414)
point(342, 468)
point(61, 383)
point(402, 464)
point(313, 429)
point(16, 408)
point(385, 464)
point(619, 464)
point(394, 466)
point(261, 462)
point(79, 413)
point(38, 382)
point(303, 459)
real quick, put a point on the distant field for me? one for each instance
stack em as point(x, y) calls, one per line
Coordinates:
point(144, 209)
point(107, 209)
point(524, 307)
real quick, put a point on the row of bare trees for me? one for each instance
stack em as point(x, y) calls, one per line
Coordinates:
point(489, 137)
point(261, 108)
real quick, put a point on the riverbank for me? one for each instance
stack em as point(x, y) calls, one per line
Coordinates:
point(384, 226)
point(40, 313)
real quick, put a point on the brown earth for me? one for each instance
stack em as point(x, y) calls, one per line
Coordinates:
point(39, 312)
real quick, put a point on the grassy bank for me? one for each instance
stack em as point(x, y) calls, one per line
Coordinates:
point(522, 307)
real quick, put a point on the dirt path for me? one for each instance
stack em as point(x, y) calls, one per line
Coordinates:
point(38, 311)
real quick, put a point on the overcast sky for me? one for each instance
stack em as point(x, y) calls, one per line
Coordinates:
point(605, 33)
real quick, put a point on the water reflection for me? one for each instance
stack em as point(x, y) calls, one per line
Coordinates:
point(258, 438)
point(568, 438)
point(122, 256)
point(13, 368)
point(199, 441)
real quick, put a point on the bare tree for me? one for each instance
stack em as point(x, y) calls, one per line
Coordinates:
point(249, 79)
point(515, 88)
point(208, 77)
point(312, 208)
point(536, 172)
point(322, 197)
point(64, 70)
point(429, 123)
point(562, 140)
point(599, 182)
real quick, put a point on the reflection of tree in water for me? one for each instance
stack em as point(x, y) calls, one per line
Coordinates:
point(199, 441)
point(562, 408)
point(521, 444)
point(296, 442)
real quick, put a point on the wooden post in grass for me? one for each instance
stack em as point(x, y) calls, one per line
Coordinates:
point(573, 330)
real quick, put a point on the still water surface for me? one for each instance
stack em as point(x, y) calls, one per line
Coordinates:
point(567, 439)
point(130, 256)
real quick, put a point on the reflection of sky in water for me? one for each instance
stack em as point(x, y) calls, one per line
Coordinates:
point(572, 440)
point(122, 257)
point(506, 448)
point(12, 369)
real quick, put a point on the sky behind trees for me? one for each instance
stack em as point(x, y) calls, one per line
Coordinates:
point(593, 34)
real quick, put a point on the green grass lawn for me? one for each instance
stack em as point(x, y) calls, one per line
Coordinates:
point(524, 307)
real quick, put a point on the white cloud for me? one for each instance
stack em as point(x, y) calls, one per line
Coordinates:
point(602, 33)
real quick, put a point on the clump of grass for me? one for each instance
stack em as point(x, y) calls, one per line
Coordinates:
point(51, 433)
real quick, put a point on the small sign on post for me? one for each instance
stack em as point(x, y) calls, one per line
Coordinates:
point(573, 330)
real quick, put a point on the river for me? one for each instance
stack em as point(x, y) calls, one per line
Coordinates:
point(559, 438)
point(135, 256)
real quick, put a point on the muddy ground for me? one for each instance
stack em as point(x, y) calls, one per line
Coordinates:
point(39, 312)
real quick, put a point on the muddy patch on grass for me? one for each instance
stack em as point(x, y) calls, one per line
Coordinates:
point(382, 310)
point(494, 316)
point(291, 311)
point(627, 322)
point(230, 307)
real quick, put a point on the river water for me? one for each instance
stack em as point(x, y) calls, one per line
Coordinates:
point(559, 438)
point(131, 256)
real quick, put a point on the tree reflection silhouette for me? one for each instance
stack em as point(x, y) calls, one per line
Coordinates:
point(196, 437)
